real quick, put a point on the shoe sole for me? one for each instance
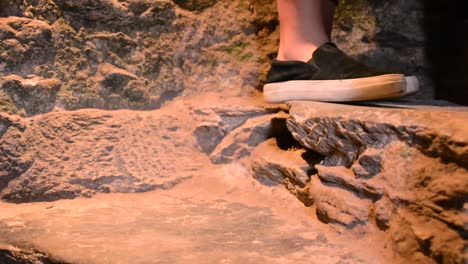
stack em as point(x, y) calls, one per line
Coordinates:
point(386, 86)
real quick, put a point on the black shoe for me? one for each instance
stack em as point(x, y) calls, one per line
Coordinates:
point(332, 76)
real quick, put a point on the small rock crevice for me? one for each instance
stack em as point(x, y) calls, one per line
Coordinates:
point(13, 255)
point(12, 150)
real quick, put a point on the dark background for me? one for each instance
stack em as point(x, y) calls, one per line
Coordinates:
point(446, 27)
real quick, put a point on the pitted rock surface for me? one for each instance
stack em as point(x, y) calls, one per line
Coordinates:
point(392, 184)
point(165, 201)
point(201, 178)
point(402, 170)
point(132, 54)
point(209, 220)
point(136, 54)
point(68, 154)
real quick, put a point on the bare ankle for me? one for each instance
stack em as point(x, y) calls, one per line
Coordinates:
point(296, 52)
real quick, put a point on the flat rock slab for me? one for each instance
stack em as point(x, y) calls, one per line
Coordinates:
point(204, 221)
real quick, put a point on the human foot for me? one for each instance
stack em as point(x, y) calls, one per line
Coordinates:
point(332, 76)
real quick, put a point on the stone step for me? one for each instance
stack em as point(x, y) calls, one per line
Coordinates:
point(397, 167)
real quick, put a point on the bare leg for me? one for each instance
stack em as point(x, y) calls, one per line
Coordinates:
point(304, 26)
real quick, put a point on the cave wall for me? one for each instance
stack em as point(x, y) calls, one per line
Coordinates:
point(137, 54)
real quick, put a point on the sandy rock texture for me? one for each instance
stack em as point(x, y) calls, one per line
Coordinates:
point(230, 219)
point(393, 170)
point(390, 178)
point(206, 174)
point(138, 54)
point(68, 154)
point(130, 54)
point(168, 185)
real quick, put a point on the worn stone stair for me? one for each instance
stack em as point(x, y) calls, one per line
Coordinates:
point(209, 180)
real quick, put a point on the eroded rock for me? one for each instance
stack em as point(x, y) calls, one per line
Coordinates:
point(405, 175)
point(282, 162)
point(272, 166)
point(197, 6)
point(215, 122)
point(29, 96)
point(339, 205)
point(242, 140)
point(63, 155)
point(12, 254)
point(24, 44)
point(183, 47)
point(68, 154)
point(369, 164)
point(169, 47)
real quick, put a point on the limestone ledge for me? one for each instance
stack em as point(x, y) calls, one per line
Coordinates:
point(391, 172)
point(400, 169)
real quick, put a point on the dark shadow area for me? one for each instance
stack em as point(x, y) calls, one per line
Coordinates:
point(286, 141)
point(407, 29)
point(404, 103)
point(283, 137)
point(446, 27)
point(9, 8)
point(312, 158)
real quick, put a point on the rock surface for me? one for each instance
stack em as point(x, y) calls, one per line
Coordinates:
point(200, 178)
point(136, 54)
point(133, 54)
point(400, 170)
point(94, 186)
point(398, 184)
point(68, 154)
point(227, 219)
point(388, 35)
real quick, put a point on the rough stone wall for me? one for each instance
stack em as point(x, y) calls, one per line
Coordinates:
point(138, 54)
point(128, 54)
point(386, 34)
point(401, 172)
